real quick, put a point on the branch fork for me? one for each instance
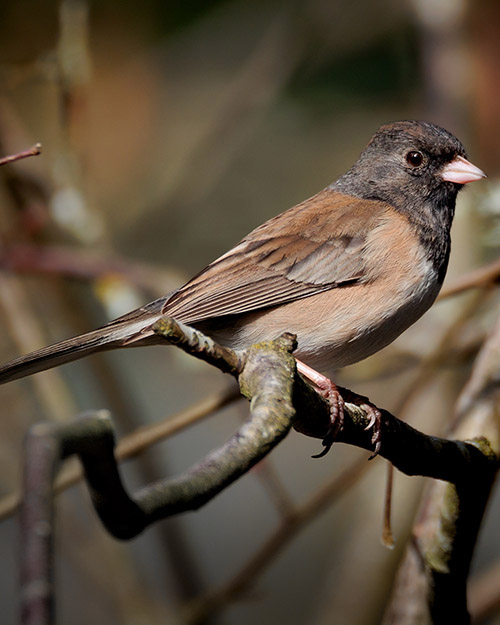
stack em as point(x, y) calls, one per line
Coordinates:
point(279, 400)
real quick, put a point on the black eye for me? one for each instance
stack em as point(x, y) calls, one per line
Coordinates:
point(415, 158)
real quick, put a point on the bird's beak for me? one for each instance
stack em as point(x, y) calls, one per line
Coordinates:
point(461, 171)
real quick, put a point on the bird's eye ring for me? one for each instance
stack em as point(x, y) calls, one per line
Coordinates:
point(415, 158)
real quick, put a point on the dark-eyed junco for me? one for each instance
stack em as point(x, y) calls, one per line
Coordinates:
point(347, 270)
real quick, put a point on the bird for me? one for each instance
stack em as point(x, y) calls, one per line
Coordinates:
point(346, 271)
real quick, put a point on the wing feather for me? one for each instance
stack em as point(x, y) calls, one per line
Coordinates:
point(286, 260)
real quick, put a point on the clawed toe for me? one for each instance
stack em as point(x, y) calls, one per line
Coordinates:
point(372, 421)
point(328, 390)
point(374, 418)
point(376, 439)
point(336, 401)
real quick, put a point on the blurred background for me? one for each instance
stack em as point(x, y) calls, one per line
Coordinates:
point(169, 130)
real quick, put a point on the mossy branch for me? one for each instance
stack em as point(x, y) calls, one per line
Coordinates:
point(279, 399)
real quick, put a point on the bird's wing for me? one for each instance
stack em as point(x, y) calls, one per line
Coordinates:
point(315, 246)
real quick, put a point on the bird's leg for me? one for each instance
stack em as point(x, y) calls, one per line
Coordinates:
point(329, 391)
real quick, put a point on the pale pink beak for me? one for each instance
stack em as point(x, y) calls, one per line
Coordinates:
point(461, 171)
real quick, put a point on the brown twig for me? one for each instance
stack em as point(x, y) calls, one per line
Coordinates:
point(34, 150)
point(275, 488)
point(387, 537)
point(477, 278)
point(85, 264)
point(45, 446)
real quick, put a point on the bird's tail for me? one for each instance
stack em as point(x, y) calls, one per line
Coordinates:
point(133, 329)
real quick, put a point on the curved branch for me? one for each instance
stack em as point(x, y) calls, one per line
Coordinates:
point(279, 399)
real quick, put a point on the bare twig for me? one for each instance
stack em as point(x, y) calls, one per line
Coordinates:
point(275, 488)
point(46, 444)
point(387, 537)
point(478, 278)
point(36, 528)
point(198, 344)
point(34, 150)
point(85, 264)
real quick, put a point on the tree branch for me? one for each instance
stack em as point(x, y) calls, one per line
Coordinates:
point(279, 399)
point(435, 569)
point(131, 445)
point(34, 150)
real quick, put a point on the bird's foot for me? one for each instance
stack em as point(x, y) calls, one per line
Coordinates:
point(336, 399)
point(327, 389)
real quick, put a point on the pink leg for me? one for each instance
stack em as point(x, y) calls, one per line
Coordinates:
point(329, 391)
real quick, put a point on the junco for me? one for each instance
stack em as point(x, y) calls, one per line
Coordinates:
point(347, 270)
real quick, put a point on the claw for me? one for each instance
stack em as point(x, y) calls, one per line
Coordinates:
point(377, 430)
point(372, 421)
point(328, 390)
point(327, 443)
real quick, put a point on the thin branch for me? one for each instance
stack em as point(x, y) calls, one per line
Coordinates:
point(85, 264)
point(276, 490)
point(34, 150)
point(36, 529)
point(478, 278)
point(136, 443)
point(45, 446)
point(201, 346)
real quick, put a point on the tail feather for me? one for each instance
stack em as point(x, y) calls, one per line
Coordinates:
point(105, 338)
